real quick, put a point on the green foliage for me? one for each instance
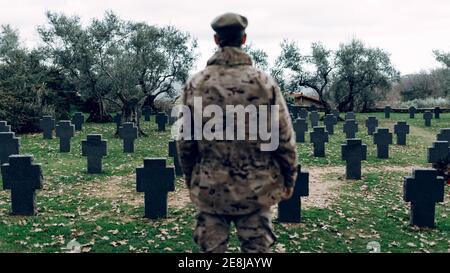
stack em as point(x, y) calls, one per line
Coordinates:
point(314, 72)
point(28, 88)
point(362, 75)
point(259, 57)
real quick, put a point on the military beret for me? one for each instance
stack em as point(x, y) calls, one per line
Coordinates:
point(229, 20)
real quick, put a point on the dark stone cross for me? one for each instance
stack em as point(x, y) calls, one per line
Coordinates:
point(427, 116)
point(350, 115)
point(437, 112)
point(94, 148)
point(155, 179)
point(147, 113)
point(382, 138)
point(312, 108)
point(318, 137)
point(300, 127)
point(371, 124)
point(128, 133)
point(161, 120)
point(295, 111)
point(290, 211)
point(118, 121)
point(387, 111)
point(23, 178)
point(444, 135)
point(78, 120)
point(335, 113)
point(353, 152)
point(9, 145)
point(47, 124)
point(329, 120)
point(439, 153)
point(170, 119)
point(350, 128)
point(423, 189)
point(412, 111)
point(303, 113)
point(4, 127)
point(65, 130)
point(314, 118)
point(401, 129)
point(173, 152)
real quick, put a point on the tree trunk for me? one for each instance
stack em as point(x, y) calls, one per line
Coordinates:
point(130, 114)
point(97, 111)
point(150, 102)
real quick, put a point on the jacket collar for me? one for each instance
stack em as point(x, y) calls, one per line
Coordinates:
point(230, 56)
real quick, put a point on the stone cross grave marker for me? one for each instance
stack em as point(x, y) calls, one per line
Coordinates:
point(147, 113)
point(382, 138)
point(423, 189)
point(335, 113)
point(329, 121)
point(300, 127)
point(303, 113)
point(439, 153)
point(118, 121)
point(350, 115)
point(290, 211)
point(23, 178)
point(318, 137)
point(444, 135)
point(155, 179)
point(353, 152)
point(161, 120)
point(314, 119)
point(9, 145)
point(65, 130)
point(387, 111)
point(4, 127)
point(173, 152)
point(371, 124)
point(170, 119)
point(78, 120)
point(47, 124)
point(427, 116)
point(412, 111)
point(94, 148)
point(401, 129)
point(128, 133)
point(350, 128)
point(437, 112)
point(312, 108)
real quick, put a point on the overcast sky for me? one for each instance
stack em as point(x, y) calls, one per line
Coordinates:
point(408, 29)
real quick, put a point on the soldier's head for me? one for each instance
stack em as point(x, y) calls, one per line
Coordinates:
point(230, 30)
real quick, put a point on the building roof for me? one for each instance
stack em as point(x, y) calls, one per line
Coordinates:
point(300, 95)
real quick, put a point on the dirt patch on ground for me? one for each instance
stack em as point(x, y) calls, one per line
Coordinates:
point(323, 186)
point(324, 183)
point(122, 189)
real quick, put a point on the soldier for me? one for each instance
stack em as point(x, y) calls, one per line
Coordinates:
point(235, 181)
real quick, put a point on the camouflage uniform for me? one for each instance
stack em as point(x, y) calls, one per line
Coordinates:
point(234, 181)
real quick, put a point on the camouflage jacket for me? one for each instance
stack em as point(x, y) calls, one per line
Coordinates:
point(236, 177)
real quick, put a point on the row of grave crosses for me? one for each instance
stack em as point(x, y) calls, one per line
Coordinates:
point(298, 112)
point(320, 134)
point(161, 118)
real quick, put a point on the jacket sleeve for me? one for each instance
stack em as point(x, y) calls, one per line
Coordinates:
point(286, 153)
point(188, 149)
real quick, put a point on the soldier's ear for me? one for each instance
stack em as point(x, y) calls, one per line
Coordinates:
point(216, 39)
point(244, 38)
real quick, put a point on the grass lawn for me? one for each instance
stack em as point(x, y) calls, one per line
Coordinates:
point(104, 213)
